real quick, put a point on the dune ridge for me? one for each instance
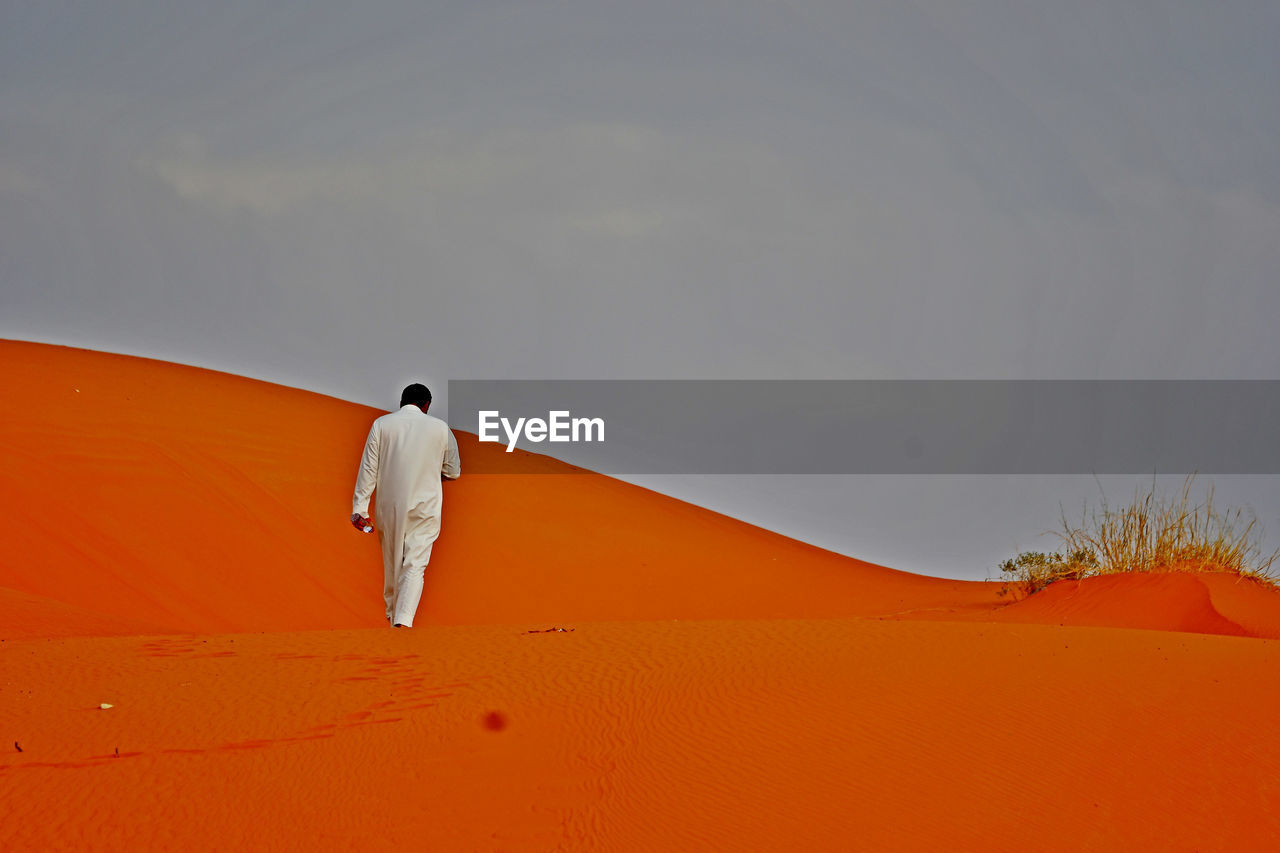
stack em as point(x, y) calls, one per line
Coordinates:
point(183, 557)
point(198, 501)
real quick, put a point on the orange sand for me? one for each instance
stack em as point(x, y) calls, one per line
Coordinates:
point(177, 547)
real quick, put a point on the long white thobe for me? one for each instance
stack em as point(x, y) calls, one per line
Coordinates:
point(405, 456)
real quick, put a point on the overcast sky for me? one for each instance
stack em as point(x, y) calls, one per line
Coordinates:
point(349, 196)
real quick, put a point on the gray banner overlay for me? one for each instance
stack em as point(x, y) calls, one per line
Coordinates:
point(887, 426)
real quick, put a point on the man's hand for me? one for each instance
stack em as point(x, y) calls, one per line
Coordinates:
point(359, 522)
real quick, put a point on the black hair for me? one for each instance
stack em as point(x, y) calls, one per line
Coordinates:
point(415, 395)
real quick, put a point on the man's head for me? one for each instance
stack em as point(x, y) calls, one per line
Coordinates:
point(416, 395)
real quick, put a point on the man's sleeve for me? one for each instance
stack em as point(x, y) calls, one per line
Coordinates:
point(367, 477)
point(452, 467)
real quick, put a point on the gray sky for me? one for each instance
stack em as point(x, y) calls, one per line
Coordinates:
point(345, 197)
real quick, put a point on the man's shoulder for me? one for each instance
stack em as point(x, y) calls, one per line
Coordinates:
point(389, 420)
point(417, 419)
point(413, 419)
point(401, 413)
point(437, 423)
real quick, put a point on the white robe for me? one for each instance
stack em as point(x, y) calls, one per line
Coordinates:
point(405, 456)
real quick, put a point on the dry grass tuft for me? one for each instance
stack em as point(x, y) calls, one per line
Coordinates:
point(1151, 534)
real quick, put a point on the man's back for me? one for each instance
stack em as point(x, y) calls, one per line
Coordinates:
point(405, 455)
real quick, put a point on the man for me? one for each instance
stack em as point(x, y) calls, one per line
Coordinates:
point(405, 456)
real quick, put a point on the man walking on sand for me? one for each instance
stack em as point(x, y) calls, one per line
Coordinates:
point(405, 457)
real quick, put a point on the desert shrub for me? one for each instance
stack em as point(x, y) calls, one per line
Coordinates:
point(1032, 571)
point(1152, 533)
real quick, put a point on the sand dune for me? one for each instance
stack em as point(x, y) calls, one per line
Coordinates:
point(1201, 603)
point(197, 501)
point(178, 549)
